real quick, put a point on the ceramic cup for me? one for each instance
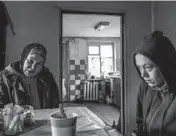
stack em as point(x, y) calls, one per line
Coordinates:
point(63, 126)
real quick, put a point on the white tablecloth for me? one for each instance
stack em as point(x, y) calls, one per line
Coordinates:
point(88, 124)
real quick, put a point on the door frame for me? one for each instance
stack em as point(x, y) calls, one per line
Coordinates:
point(123, 57)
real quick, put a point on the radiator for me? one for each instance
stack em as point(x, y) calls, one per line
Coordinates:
point(91, 90)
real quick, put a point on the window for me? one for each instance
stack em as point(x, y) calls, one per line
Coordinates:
point(100, 59)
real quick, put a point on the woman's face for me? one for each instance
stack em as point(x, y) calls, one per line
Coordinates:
point(33, 65)
point(149, 71)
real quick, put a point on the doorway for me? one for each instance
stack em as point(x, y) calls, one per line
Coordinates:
point(92, 60)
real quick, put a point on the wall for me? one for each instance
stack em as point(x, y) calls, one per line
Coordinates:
point(77, 49)
point(33, 22)
point(137, 24)
point(165, 18)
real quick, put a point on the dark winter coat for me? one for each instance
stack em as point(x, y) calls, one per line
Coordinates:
point(156, 110)
point(13, 90)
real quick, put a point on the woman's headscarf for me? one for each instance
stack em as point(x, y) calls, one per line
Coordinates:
point(161, 51)
point(36, 48)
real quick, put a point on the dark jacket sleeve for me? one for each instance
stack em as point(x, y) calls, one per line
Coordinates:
point(4, 96)
point(139, 111)
point(2, 89)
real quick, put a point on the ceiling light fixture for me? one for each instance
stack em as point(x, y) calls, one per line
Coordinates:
point(101, 25)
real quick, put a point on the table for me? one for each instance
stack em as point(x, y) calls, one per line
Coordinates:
point(88, 124)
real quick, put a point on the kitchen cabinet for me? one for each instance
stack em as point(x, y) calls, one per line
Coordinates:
point(115, 86)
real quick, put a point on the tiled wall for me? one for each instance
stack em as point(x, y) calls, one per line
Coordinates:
point(77, 72)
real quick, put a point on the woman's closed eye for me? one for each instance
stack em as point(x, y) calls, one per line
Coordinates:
point(39, 64)
point(36, 63)
point(148, 68)
point(30, 61)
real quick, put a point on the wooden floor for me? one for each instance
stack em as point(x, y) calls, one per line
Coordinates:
point(106, 112)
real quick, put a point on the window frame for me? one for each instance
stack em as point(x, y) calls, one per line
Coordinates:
point(96, 43)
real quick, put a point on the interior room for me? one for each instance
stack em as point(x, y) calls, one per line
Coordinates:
point(91, 61)
point(89, 49)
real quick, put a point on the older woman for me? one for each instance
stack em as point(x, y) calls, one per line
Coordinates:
point(28, 81)
point(155, 61)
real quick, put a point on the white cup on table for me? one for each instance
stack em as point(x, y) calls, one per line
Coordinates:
point(63, 126)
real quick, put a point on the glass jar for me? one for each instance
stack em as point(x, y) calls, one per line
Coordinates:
point(13, 123)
